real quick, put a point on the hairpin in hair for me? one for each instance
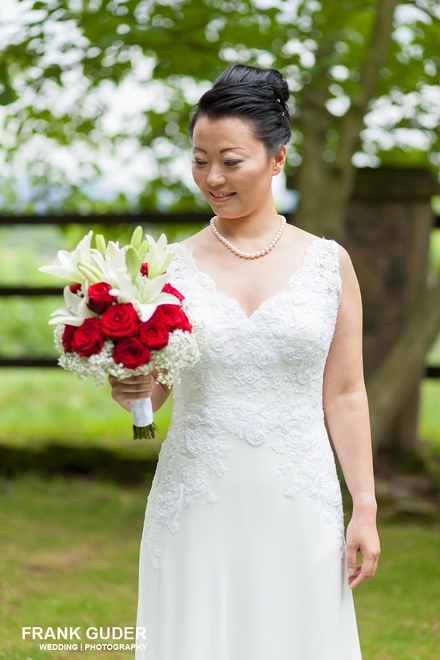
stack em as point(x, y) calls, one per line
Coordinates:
point(278, 101)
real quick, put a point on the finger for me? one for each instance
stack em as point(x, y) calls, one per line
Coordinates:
point(135, 387)
point(137, 396)
point(353, 580)
point(352, 552)
point(132, 388)
point(132, 380)
point(132, 383)
point(365, 573)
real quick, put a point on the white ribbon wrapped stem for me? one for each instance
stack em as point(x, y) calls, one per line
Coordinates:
point(141, 412)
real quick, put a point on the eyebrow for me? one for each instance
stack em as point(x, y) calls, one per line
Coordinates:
point(221, 150)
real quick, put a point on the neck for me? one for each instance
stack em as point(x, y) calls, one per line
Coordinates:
point(257, 225)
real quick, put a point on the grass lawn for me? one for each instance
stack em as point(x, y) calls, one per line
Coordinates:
point(70, 558)
point(398, 611)
point(70, 552)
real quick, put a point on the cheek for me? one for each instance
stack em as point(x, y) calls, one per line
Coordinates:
point(253, 172)
point(197, 175)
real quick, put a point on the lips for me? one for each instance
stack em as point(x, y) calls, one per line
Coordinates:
point(219, 196)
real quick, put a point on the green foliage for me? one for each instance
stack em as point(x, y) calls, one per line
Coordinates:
point(435, 251)
point(173, 48)
point(429, 428)
point(24, 328)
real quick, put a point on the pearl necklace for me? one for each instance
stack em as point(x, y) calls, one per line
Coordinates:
point(249, 255)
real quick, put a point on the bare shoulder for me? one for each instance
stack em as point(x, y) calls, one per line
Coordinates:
point(196, 240)
point(345, 264)
point(296, 236)
point(350, 284)
point(344, 257)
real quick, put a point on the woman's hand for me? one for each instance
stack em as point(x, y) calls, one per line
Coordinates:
point(129, 389)
point(362, 537)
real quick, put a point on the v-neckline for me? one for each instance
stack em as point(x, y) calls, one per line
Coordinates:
point(221, 294)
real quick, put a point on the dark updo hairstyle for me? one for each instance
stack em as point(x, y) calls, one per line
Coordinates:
point(258, 95)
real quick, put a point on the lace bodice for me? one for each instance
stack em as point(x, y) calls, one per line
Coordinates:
point(259, 382)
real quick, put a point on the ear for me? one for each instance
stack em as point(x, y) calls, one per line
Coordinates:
point(279, 160)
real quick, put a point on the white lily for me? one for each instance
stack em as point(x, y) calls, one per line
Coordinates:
point(68, 270)
point(74, 313)
point(111, 262)
point(143, 293)
point(158, 256)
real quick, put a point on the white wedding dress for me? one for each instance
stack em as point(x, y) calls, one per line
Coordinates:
point(243, 551)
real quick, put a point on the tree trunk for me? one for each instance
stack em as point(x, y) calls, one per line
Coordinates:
point(325, 187)
point(394, 380)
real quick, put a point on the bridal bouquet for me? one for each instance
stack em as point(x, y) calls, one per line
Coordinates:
point(122, 316)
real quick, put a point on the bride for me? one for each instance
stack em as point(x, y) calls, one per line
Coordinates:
point(244, 554)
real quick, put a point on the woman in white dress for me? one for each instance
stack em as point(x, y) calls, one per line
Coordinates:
point(243, 554)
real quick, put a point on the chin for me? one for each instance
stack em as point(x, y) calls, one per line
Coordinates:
point(228, 213)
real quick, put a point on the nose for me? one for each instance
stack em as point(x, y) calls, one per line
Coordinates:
point(215, 176)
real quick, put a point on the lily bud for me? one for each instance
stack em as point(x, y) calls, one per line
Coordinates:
point(90, 272)
point(136, 239)
point(143, 250)
point(133, 262)
point(100, 243)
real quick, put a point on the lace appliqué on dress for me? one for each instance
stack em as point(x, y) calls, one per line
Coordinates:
point(181, 476)
point(256, 375)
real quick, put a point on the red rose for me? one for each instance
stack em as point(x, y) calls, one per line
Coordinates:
point(88, 338)
point(69, 331)
point(75, 287)
point(99, 297)
point(131, 352)
point(173, 317)
point(154, 334)
point(120, 320)
point(144, 269)
point(168, 288)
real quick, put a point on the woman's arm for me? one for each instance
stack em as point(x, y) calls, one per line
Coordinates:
point(346, 410)
point(139, 387)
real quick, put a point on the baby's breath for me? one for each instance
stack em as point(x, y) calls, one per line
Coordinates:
point(181, 351)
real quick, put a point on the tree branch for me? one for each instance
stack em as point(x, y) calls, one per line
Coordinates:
point(377, 52)
point(352, 123)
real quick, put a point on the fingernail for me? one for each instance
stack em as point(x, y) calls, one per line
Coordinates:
point(350, 571)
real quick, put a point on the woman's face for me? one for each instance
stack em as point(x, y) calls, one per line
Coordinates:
point(231, 166)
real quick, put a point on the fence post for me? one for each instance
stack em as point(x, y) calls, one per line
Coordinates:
point(389, 221)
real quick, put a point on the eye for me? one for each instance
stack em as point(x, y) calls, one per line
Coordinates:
point(197, 161)
point(231, 163)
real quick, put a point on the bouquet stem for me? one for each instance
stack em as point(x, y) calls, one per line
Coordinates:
point(142, 415)
point(147, 432)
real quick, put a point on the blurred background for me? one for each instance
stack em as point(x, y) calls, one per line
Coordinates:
point(94, 108)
